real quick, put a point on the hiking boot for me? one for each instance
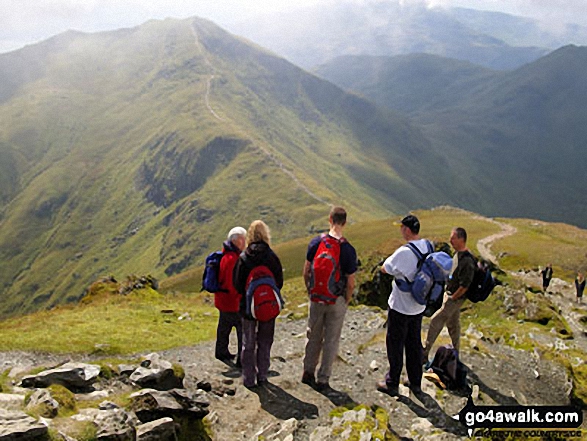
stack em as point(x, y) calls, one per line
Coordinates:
point(382, 386)
point(308, 378)
point(431, 376)
point(322, 386)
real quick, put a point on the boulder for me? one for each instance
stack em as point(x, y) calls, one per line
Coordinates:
point(115, 425)
point(155, 373)
point(73, 376)
point(150, 405)
point(17, 425)
point(162, 429)
point(11, 401)
point(43, 403)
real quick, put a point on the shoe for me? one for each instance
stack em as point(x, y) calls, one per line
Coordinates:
point(262, 381)
point(253, 386)
point(225, 358)
point(382, 386)
point(431, 376)
point(308, 378)
point(416, 390)
point(320, 386)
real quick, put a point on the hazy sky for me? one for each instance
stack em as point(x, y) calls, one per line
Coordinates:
point(28, 21)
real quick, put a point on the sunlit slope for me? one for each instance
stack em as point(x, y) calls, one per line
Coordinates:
point(135, 151)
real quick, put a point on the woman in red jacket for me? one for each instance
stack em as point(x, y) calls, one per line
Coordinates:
point(227, 300)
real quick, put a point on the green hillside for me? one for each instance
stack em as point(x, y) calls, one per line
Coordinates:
point(135, 151)
point(517, 139)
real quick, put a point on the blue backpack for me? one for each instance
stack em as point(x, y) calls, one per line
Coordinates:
point(210, 280)
point(433, 271)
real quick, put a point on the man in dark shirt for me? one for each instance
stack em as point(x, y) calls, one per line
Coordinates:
point(327, 306)
point(456, 289)
point(546, 276)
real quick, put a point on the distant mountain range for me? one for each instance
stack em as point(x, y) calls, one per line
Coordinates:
point(135, 151)
point(518, 137)
point(315, 35)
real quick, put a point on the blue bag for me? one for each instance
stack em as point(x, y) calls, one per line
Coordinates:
point(210, 281)
point(433, 271)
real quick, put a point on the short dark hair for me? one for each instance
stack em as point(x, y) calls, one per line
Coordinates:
point(461, 233)
point(412, 223)
point(338, 215)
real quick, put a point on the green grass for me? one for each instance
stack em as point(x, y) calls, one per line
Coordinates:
point(538, 243)
point(117, 324)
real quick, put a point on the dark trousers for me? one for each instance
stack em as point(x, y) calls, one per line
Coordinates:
point(226, 322)
point(256, 357)
point(404, 332)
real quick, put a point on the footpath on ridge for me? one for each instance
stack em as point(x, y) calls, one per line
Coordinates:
point(499, 375)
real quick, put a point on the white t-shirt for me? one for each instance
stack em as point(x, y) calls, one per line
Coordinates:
point(403, 264)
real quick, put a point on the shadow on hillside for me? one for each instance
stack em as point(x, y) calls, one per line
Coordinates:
point(282, 405)
point(337, 397)
point(494, 394)
point(433, 413)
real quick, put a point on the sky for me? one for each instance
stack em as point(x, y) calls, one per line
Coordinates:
point(25, 22)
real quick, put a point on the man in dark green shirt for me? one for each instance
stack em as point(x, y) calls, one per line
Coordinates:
point(461, 278)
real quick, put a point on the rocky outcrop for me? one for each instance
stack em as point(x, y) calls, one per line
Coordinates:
point(74, 376)
point(17, 425)
point(163, 429)
point(155, 373)
point(42, 403)
point(150, 404)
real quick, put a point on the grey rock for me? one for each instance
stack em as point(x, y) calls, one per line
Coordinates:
point(17, 425)
point(155, 373)
point(115, 425)
point(162, 429)
point(150, 405)
point(70, 375)
point(11, 401)
point(42, 401)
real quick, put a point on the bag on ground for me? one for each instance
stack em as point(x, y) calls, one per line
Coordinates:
point(326, 281)
point(210, 278)
point(263, 298)
point(448, 368)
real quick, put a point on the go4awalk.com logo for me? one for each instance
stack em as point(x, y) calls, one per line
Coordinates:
point(529, 421)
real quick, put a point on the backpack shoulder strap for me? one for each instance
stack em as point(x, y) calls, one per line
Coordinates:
point(421, 256)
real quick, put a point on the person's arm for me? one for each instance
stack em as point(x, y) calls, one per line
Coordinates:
point(350, 287)
point(277, 270)
point(466, 273)
point(306, 274)
point(460, 292)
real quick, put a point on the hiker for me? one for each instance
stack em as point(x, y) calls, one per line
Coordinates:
point(227, 299)
point(330, 257)
point(257, 335)
point(404, 320)
point(456, 292)
point(580, 286)
point(546, 276)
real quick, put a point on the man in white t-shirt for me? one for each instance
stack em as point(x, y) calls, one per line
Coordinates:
point(404, 323)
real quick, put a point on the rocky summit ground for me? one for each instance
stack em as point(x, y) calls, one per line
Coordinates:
point(498, 375)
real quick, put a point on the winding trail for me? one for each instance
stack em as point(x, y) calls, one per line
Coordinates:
point(265, 151)
point(484, 245)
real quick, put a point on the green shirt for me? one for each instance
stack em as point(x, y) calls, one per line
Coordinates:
point(463, 272)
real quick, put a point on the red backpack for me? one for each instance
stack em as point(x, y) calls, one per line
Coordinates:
point(326, 281)
point(263, 299)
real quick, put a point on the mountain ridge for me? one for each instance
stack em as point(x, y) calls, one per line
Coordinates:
point(138, 148)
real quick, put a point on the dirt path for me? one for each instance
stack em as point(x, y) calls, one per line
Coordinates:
point(264, 150)
point(484, 245)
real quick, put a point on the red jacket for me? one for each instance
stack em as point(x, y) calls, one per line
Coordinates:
point(227, 300)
